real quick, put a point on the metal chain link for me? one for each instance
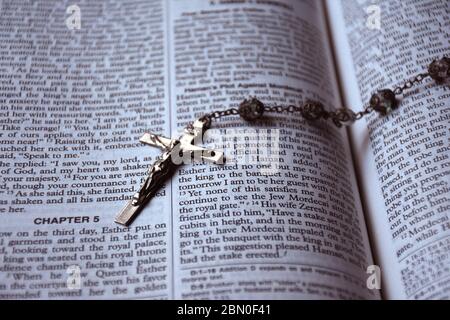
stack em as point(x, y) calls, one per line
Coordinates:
point(220, 114)
point(410, 83)
point(360, 114)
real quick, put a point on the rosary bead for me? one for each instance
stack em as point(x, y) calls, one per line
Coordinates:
point(439, 70)
point(343, 116)
point(313, 110)
point(383, 101)
point(251, 110)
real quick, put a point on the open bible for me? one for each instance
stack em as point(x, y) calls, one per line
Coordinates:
point(79, 85)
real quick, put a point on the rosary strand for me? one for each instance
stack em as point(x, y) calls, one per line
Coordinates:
point(383, 102)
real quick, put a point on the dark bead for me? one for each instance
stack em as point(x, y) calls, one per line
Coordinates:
point(383, 101)
point(313, 110)
point(343, 116)
point(251, 109)
point(439, 70)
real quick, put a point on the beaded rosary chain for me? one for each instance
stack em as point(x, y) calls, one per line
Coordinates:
point(178, 150)
point(383, 102)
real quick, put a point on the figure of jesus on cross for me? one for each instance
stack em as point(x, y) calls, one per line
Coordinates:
point(176, 152)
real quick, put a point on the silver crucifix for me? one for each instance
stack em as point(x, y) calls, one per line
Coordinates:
point(176, 152)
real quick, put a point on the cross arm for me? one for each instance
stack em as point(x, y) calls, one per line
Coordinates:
point(209, 155)
point(156, 141)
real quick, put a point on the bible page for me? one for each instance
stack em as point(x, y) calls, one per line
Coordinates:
point(403, 158)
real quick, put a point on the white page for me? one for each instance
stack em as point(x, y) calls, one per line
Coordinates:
point(360, 52)
point(282, 31)
point(94, 91)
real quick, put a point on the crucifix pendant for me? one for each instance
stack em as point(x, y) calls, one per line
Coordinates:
point(176, 152)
